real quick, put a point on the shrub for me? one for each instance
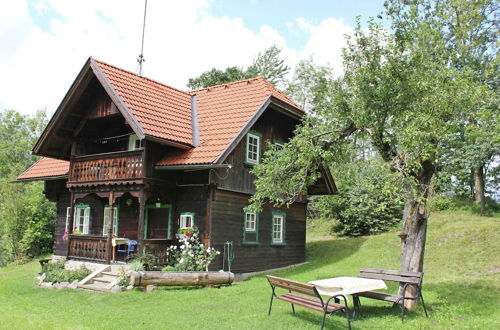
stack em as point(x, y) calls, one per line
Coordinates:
point(55, 272)
point(146, 259)
point(191, 255)
point(370, 199)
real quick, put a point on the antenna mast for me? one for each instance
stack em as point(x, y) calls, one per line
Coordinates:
point(141, 59)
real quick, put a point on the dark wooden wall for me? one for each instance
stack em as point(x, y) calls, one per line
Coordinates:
point(273, 126)
point(227, 225)
point(192, 199)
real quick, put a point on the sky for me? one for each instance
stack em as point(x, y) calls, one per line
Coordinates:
point(45, 43)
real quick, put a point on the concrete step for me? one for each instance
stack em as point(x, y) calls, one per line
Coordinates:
point(102, 280)
point(102, 287)
point(107, 278)
point(112, 274)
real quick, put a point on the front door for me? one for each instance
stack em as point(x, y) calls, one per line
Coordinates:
point(158, 221)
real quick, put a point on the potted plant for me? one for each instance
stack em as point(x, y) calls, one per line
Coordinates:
point(185, 232)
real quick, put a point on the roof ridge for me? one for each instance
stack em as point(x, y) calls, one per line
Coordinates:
point(141, 77)
point(273, 89)
point(229, 83)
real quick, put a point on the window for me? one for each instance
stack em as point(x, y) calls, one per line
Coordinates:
point(134, 142)
point(82, 219)
point(106, 221)
point(157, 221)
point(186, 220)
point(250, 228)
point(278, 146)
point(250, 221)
point(278, 229)
point(252, 154)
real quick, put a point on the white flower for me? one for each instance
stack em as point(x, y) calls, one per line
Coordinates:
point(181, 261)
point(218, 252)
point(182, 247)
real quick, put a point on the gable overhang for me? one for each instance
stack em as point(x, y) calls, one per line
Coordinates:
point(277, 105)
point(90, 70)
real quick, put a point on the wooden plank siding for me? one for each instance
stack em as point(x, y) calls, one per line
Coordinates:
point(273, 126)
point(227, 225)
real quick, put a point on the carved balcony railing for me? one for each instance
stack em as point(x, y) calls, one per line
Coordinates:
point(113, 166)
point(86, 247)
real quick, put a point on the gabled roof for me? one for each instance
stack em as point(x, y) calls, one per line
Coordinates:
point(161, 111)
point(223, 112)
point(46, 168)
point(219, 115)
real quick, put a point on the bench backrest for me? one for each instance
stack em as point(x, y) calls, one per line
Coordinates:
point(392, 275)
point(304, 288)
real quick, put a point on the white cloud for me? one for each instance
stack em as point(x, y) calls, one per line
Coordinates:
point(325, 42)
point(38, 64)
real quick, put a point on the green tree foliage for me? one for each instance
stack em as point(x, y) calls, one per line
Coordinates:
point(26, 217)
point(370, 198)
point(267, 64)
point(400, 91)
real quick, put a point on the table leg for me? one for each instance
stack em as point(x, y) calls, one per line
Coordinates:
point(113, 259)
point(357, 305)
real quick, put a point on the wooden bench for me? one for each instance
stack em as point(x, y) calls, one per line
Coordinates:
point(300, 294)
point(408, 279)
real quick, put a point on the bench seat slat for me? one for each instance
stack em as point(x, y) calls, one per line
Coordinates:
point(275, 279)
point(379, 296)
point(314, 304)
point(393, 278)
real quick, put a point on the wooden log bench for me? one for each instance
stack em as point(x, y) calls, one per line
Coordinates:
point(306, 295)
point(407, 279)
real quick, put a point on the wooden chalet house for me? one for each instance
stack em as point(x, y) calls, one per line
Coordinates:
point(127, 156)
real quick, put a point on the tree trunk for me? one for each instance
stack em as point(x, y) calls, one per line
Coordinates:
point(415, 225)
point(479, 188)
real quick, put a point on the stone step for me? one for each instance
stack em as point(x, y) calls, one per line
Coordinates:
point(103, 280)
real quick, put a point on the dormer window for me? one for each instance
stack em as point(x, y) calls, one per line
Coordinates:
point(134, 142)
point(252, 150)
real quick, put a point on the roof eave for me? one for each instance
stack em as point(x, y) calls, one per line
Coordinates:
point(42, 178)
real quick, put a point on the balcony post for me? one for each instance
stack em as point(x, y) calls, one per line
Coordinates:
point(71, 221)
point(140, 229)
point(109, 245)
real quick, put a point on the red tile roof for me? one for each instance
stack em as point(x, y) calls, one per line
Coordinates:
point(165, 112)
point(223, 112)
point(45, 168)
point(162, 111)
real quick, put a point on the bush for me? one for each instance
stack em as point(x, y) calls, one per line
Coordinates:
point(191, 255)
point(144, 259)
point(370, 199)
point(55, 272)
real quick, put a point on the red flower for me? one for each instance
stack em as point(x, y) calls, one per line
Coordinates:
point(188, 225)
point(188, 234)
point(113, 235)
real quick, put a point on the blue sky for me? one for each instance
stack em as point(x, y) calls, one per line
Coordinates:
point(46, 42)
point(280, 14)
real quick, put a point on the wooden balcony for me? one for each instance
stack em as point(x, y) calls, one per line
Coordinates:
point(86, 247)
point(106, 168)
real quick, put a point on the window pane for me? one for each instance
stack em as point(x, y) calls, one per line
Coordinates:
point(250, 221)
point(278, 228)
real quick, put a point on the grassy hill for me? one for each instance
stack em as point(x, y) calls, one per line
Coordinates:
point(461, 289)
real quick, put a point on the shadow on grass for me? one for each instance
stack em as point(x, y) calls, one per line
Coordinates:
point(333, 321)
point(328, 253)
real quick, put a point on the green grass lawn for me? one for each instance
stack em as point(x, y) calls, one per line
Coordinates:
point(461, 289)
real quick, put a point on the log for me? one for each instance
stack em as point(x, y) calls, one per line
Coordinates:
point(180, 278)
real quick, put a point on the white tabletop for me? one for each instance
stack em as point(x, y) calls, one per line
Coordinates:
point(119, 241)
point(346, 285)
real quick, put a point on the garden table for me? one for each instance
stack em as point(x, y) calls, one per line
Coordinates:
point(346, 285)
point(117, 241)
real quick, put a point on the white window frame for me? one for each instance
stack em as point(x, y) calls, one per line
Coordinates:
point(278, 228)
point(183, 222)
point(250, 222)
point(105, 221)
point(82, 211)
point(68, 215)
point(134, 142)
point(278, 146)
point(249, 152)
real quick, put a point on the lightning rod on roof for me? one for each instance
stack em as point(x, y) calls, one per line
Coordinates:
point(141, 59)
